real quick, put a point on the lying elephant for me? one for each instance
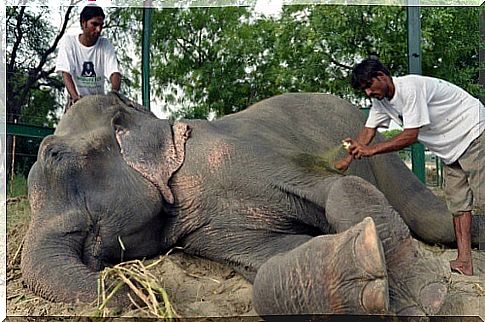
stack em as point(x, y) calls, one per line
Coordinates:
point(250, 190)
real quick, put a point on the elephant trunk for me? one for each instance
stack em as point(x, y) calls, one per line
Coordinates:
point(51, 262)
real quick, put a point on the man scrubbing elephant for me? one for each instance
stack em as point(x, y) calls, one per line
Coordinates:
point(442, 116)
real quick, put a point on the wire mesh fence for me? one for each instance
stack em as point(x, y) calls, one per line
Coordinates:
point(433, 167)
point(21, 156)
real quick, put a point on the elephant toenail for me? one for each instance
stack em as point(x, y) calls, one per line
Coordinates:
point(375, 297)
point(368, 250)
point(433, 296)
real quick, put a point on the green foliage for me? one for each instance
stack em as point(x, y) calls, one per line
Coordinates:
point(17, 187)
point(37, 30)
point(220, 60)
point(41, 108)
point(25, 155)
point(451, 42)
point(32, 88)
point(389, 134)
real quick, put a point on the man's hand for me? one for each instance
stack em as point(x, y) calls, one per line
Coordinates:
point(343, 164)
point(358, 150)
point(75, 98)
point(115, 79)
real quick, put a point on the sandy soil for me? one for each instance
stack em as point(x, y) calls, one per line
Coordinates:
point(201, 288)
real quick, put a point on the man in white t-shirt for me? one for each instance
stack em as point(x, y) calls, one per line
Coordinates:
point(87, 59)
point(442, 116)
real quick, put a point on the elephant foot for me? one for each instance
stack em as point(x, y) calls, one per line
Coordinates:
point(342, 273)
point(418, 283)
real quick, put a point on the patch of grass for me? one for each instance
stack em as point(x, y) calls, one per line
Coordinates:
point(17, 187)
point(18, 212)
point(142, 283)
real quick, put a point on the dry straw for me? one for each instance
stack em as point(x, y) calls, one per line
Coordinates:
point(141, 282)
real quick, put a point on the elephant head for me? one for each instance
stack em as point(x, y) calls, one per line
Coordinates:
point(99, 181)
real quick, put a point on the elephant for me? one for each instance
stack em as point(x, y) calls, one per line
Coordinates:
point(250, 190)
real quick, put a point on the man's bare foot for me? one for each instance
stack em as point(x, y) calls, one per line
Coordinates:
point(462, 267)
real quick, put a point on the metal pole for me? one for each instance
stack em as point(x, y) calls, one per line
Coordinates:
point(414, 67)
point(482, 54)
point(147, 30)
point(12, 173)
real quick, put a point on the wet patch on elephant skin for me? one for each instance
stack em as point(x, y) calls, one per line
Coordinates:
point(315, 164)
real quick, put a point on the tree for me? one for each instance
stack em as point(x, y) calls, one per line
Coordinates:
point(220, 60)
point(31, 42)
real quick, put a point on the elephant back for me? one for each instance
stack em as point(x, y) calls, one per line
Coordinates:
point(313, 122)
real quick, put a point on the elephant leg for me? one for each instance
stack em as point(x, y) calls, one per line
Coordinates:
point(418, 282)
point(341, 273)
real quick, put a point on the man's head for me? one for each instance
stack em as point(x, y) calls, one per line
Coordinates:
point(373, 78)
point(92, 20)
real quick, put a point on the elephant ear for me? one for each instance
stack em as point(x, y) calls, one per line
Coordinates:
point(155, 148)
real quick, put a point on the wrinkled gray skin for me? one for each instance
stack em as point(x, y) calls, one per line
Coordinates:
point(249, 190)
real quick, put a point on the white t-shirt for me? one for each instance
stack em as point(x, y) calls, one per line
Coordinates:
point(88, 66)
point(448, 118)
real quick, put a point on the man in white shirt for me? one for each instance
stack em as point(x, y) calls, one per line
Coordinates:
point(87, 59)
point(442, 116)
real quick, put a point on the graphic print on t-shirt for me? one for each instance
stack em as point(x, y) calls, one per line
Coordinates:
point(88, 78)
point(88, 69)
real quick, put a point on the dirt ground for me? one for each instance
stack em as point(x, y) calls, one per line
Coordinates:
point(200, 288)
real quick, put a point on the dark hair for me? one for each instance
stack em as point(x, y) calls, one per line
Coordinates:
point(363, 73)
point(91, 11)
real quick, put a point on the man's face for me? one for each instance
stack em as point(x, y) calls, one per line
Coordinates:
point(377, 88)
point(92, 28)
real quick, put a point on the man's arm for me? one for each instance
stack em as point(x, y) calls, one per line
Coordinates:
point(407, 137)
point(115, 79)
point(71, 88)
point(364, 137)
